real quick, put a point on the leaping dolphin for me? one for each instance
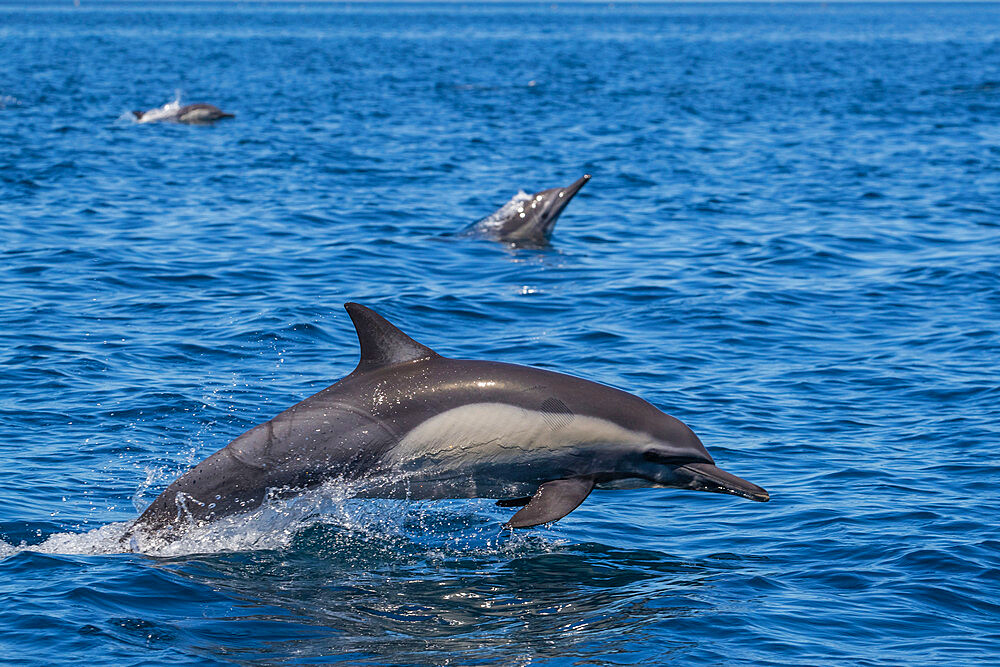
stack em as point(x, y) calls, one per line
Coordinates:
point(197, 114)
point(410, 423)
point(528, 219)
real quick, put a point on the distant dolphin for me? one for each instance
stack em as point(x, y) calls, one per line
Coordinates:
point(409, 423)
point(528, 219)
point(189, 113)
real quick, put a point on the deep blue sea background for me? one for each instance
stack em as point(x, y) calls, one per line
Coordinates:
point(791, 241)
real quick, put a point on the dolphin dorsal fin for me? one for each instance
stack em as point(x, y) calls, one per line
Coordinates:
point(382, 343)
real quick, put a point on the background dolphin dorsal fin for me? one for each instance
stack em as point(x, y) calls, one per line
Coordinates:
point(381, 342)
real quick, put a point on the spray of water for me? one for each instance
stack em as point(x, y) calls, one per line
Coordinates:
point(332, 511)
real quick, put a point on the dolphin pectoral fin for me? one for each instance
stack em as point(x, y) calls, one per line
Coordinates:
point(552, 501)
point(514, 502)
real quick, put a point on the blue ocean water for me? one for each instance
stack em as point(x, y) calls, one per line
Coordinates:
point(791, 242)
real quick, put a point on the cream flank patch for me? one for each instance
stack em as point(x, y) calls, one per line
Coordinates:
point(501, 431)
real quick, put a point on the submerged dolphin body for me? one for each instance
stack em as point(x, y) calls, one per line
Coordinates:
point(409, 423)
point(528, 219)
point(189, 113)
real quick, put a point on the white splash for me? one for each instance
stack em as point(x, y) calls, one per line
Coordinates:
point(168, 110)
point(103, 540)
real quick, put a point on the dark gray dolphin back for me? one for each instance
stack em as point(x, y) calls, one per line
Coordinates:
point(201, 113)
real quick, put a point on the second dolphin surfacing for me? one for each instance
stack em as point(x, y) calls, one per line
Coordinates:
point(528, 220)
point(413, 424)
point(192, 114)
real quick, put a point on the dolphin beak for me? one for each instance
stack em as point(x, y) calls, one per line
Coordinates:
point(570, 192)
point(707, 477)
point(562, 198)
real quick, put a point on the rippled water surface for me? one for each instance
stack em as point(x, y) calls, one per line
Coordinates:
point(791, 241)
